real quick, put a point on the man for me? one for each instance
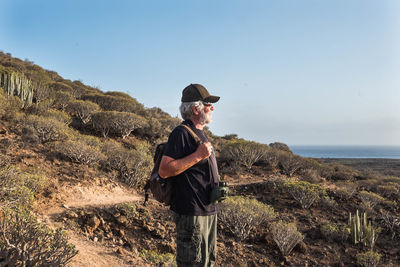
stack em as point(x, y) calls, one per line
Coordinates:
point(194, 170)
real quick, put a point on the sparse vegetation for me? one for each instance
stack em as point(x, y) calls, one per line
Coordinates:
point(368, 259)
point(243, 153)
point(304, 193)
point(285, 236)
point(240, 215)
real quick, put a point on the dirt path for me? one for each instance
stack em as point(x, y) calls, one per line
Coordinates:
point(94, 195)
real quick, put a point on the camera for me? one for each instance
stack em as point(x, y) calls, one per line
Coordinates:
point(219, 192)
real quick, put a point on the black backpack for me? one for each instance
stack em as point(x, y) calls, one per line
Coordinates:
point(160, 188)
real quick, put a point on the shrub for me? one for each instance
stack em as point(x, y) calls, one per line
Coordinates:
point(280, 146)
point(276, 182)
point(116, 103)
point(121, 123)
point(271, 157)
point(285, 236)
point(240, 215)
point(47, 129)
point(390, 222)
point(242, 152)
point(310, 175)
point(133, 165)
point(80, 152)
point(25, 242)
point(334, 232)
point(62, 99)
point(82, 109)
point(58, 115)
point(157, 257)
point(388, 190)
point(128, 209)
point(41, 108)
point(304, 193)
point(289, 163)
point(345, 190)
point(13, 189)
point(369, 199)
point(368, 259)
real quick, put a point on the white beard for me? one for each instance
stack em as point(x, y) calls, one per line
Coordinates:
point(205, 118)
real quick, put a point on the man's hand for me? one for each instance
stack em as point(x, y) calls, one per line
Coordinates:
point(171, 167)
point(204, 150)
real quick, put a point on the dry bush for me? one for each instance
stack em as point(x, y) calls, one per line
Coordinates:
point(280, 146)
point(271, 157)
point(276, 182)
point(390, 222)
point(334, 232)
point(310, 175)
point(62, 99)
point(240, 215)
point(121, 123)
point(289, 163)
point(13, 189)
point(82, 109)
point(47, 129)
point(368, 259)
point(285, 236)
point(25, 242)
point(242, 152)
point(41, 108)
point(134, 166)
point(304, 193)
point(390, 190)
point(370, 184)
point(80, 152)
point(369, 199)
point(58, 115)
point(346, 190)
point(61, 87)
point(116, 103)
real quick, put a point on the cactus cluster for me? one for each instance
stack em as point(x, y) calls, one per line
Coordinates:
point(17, 84)
point(362, 230)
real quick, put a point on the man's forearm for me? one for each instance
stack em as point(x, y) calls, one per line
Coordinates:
point(171, 167)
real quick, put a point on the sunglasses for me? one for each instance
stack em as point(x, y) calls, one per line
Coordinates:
point(207, 104)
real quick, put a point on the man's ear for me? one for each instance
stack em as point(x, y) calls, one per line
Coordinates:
point(195, 111)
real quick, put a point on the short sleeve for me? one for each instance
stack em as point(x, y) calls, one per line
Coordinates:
point(176, 144)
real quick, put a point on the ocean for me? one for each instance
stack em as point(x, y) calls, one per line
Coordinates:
point(382, 152)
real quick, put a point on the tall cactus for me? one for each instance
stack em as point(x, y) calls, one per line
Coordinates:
point(361, 230)
point(15, 83)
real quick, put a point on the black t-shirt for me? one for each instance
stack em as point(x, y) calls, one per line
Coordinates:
point(191, 189)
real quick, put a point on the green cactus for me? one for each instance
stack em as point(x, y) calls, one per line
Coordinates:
point(15, 83)
point(361, 230)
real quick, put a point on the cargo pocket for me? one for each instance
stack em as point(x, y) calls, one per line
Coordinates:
point(189, 245)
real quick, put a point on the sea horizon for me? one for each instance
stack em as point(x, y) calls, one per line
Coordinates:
point(347, 151)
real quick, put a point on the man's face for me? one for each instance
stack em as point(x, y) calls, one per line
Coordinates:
point(206, 113)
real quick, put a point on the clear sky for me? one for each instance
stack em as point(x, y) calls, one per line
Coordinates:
point(302, 72)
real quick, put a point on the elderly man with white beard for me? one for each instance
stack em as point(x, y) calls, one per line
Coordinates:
point(193, 167)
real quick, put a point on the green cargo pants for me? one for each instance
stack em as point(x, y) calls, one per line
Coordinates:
point(196, 240)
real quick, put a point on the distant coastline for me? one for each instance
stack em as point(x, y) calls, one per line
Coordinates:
point(351, 152)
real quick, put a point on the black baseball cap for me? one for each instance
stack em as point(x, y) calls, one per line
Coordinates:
point(195, 92)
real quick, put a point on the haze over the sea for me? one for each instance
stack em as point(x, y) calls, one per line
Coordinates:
point(305, 72)
point(375, 152)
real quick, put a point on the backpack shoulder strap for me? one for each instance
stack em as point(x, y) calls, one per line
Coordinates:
point(192, 133)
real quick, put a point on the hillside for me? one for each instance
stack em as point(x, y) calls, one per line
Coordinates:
point(76, 158)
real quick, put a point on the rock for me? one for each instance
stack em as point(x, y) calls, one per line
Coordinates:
point(122, 220)
point(302, 247)
point(65, 206)
point(71, 214)
point(92, 223)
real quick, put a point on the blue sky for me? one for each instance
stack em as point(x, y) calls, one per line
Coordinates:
point(307, 72)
